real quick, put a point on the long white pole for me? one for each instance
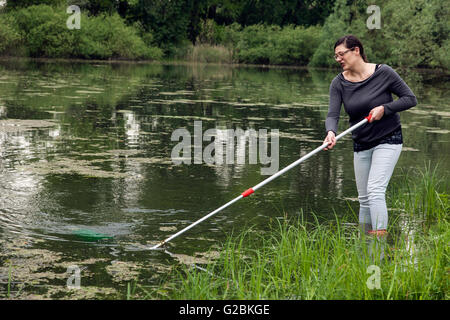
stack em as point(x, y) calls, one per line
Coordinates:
point(259, 185)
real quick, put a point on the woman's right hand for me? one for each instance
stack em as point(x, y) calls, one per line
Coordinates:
point(330, 139)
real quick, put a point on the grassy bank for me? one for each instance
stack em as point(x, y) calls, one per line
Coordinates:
point(299, 259)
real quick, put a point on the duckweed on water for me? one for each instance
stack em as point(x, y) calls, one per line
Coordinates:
point(16, 125)
point(87, 168)
point(123, 271)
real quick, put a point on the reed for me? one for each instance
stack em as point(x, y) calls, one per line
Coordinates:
point(205, 53)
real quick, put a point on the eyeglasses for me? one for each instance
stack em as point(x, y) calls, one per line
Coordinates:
point(341, 54)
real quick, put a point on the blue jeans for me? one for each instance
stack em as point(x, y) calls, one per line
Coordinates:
point(373, 170)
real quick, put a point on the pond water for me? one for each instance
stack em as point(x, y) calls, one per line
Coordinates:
point(87, 177)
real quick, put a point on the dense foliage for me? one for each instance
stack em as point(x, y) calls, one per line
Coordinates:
point(412, 33)
point(42, 32)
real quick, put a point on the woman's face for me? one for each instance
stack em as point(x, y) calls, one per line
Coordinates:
point(346, 57)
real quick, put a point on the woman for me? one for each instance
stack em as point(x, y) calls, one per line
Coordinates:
point(366, 88)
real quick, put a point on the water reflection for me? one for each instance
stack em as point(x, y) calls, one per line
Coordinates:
point(3, 112)
point(132, 128)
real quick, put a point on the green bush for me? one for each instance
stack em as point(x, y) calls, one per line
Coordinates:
point(107, 36)
point(253, 45)
point(231, 34)
point(295, 45)
point(10, 37)
point(46, 34)
point(291, 45)
point(418, 30)
point(442, 55)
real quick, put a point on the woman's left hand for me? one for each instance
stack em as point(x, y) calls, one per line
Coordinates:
point(377, 113)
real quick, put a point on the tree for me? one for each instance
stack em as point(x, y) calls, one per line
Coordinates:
point(96, 7)
point(285, 12)
point(168, 20)
point(15, 4)
point(414, 33)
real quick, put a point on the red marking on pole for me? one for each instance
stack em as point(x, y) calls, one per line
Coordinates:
point(247, 192)
point(369, 117)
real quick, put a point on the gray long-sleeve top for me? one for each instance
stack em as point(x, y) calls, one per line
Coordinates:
point(360, 97)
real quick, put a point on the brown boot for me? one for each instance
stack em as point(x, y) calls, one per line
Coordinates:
point(378, 233)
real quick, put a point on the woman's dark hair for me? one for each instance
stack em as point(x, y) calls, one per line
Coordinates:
point(350, 41)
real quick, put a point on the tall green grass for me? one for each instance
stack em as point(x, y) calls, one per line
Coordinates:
point(426, 198)
point(304, 259)
point(320, 263)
